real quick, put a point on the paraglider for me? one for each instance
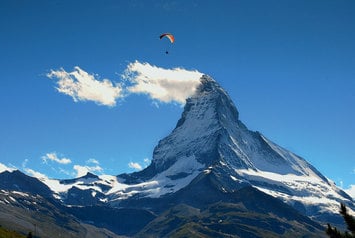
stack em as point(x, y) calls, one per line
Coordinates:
point(170, 37)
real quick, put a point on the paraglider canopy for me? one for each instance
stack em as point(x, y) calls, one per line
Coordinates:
point(169, 36)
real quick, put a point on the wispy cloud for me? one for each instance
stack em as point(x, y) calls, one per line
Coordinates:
point(82, 86)
point(24, 163)
point(147, 161)
point(135, 165)
point(77, 170)
point(165, 85)
point(92, 165)
point(83, 170)
point(139, 166)
point(53, 157)
point(92, 161)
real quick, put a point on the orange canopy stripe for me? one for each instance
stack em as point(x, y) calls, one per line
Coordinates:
point(169, 36)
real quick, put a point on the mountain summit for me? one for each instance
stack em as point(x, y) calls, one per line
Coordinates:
point(210, 131)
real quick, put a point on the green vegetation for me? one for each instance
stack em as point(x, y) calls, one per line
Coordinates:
point(222, 219)
point(4, 233)
point(350, 222)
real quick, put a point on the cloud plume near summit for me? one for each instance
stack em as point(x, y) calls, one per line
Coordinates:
point(159, 84)
point(165, 85)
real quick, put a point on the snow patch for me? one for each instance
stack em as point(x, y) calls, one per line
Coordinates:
point(164, 182)
point(291, 188)
point(4, 168)
point(20, 193)
point(351, 191)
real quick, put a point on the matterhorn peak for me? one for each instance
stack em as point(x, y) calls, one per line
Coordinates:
point(211, 94)
point(210, 140)
point(206, 115)
point(210, 132)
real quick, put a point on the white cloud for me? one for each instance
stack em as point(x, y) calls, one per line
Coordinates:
point(134, 165)
point(83, 170)
point(66, 172)
point(146, 161)
point(161, 85)
point(92, 161)
point(92, 165)
point(139, 166)
point(24, 163)
point(82, 86)
point(165, 85)
point(53, 157)
point(351, 191)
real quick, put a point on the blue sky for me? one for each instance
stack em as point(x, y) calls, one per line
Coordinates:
point(289, 66)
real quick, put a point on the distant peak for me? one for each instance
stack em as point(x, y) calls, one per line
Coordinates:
point(90, 175)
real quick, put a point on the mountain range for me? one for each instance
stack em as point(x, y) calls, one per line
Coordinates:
point(210, 177)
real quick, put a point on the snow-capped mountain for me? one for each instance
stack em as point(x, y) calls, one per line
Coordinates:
point(26, 204)
point(209, 157)
point(210, 138)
